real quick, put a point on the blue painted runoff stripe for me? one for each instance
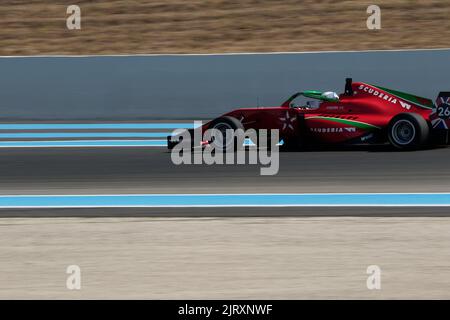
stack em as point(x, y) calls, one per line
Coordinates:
point(83, 143)
point(79, 126)
point(226, 200)
point(89, 143)
point(37, 135)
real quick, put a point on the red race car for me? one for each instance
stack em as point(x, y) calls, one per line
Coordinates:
point(363, 114)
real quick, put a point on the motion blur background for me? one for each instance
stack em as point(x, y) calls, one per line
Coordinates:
point(198, 26)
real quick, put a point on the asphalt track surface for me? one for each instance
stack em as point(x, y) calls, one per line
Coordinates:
point(223, 253)
point(143, 170)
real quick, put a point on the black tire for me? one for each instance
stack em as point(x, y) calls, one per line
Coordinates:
point(408, 131)
point(224, 123)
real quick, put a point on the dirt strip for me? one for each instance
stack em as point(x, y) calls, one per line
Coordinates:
point(197, 26)
point(204, 258)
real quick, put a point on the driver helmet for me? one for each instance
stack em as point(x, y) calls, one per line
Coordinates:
point(330, 95)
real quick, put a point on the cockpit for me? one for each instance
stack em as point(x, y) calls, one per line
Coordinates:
point(311, 99)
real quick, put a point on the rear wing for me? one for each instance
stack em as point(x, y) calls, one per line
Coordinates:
point(440, 117)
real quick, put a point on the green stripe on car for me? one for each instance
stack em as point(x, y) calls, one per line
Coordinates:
point(408, 97)
point(358, 124)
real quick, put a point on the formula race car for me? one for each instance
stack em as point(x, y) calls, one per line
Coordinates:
point(363, 114)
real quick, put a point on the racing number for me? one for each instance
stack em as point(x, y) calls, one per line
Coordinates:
point(443, 111)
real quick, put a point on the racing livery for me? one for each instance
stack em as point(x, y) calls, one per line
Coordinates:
point(364, 113)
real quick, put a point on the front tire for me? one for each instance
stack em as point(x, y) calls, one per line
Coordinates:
point(223, 124)
point(408, 131)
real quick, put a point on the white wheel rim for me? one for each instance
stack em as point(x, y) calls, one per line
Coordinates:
point(403, 132)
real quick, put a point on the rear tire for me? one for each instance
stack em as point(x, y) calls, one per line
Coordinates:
point(408, 131)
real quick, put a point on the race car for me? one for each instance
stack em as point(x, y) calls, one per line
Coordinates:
point(363, 114)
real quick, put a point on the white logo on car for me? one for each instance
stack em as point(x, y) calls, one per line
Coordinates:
point(378, 94)
point(405, 105)
point(333, 130)
point(287, 121)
